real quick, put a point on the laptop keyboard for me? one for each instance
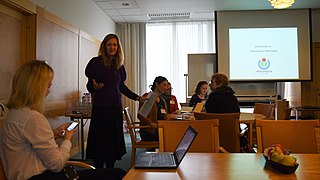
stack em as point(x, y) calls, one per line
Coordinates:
point(162, 158)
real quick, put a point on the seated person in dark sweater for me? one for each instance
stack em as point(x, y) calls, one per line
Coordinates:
point(222, 98)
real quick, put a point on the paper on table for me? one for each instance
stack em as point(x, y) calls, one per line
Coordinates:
point(148, 103)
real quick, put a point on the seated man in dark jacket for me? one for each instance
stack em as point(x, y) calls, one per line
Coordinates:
point(222, 98)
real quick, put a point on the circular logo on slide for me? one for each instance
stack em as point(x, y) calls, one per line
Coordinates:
point(264, 64)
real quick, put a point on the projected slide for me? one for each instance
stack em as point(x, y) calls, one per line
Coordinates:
point(263, 53)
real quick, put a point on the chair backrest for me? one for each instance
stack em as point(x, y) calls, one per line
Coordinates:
point(265, 109)
point(285, 114)
point(171, 132)
point(129, 120)
point(297, 136)
point(229, 128)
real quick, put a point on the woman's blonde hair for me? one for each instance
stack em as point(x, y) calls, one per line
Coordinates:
point(106, 59)
point(30, 85)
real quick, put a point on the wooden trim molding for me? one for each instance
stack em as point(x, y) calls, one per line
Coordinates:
point(25, 6)
point(89, 37)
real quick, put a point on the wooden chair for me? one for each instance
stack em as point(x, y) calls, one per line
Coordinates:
point(297, 136)
point(80, 164)
point(207, 140)
point(265, 109)
point(229, 129)
point(73, 163)
point(285, 115)
point(136, 142)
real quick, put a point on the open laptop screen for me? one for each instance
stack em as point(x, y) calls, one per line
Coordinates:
point(185, 144)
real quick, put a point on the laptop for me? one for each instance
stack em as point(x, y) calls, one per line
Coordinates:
point(167, 159)
point(186, 109)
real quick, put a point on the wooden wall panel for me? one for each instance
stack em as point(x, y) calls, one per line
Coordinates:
point(89, 47)
point(12, 30)
point(316, 52)
point(57, 43)
point(310, 91)
point(28, 34)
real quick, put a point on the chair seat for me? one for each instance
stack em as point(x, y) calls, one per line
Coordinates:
point(146, 143)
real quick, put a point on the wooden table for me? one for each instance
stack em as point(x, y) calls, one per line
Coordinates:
point(310, 109)
point(80, 117)
point(229, 166)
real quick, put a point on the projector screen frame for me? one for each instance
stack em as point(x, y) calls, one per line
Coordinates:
point(304, 55)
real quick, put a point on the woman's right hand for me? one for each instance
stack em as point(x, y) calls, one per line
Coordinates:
point(69, 134)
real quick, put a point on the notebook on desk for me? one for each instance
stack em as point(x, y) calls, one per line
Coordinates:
point(198, 107)
point(167, 159)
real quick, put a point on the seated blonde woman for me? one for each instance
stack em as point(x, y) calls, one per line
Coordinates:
point(28, 147)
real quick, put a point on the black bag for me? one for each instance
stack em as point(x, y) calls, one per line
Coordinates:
point(70, 173)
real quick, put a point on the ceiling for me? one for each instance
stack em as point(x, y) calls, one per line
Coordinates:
point(130, 11)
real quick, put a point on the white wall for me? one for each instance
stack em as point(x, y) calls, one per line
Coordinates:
point(84, 14)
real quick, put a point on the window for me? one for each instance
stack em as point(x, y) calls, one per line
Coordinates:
point(167, 48)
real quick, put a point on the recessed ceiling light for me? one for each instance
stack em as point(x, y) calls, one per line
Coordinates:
point(125, 4)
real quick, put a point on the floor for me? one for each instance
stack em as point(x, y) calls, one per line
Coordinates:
point(125, 162)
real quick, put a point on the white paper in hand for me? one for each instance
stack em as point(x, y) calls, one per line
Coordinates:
point(148, 103)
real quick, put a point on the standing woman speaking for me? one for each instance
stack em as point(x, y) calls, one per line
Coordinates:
point(106, 76)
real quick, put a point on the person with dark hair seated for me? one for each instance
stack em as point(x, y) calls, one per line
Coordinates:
point(200, 94)
point(171, 100)
point(158, 111)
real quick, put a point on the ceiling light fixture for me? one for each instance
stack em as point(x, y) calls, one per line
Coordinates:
point(281, 4)
point(125, 4)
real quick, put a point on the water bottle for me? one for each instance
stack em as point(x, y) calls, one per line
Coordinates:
point(86, 103)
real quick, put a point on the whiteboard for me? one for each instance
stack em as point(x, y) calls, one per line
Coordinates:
point(200, 68)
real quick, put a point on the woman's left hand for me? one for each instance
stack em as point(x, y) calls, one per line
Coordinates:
point(59, 131)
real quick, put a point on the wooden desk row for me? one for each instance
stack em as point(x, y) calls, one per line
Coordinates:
point(229, 166)
point(246, 118)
